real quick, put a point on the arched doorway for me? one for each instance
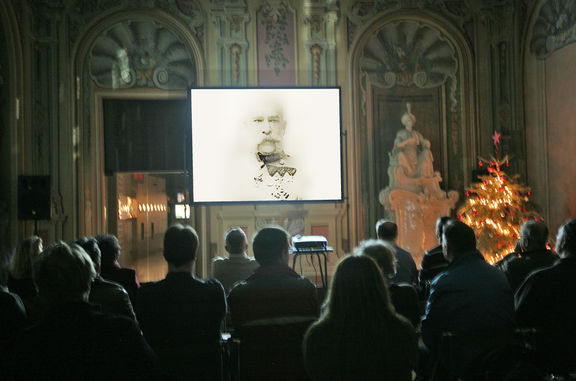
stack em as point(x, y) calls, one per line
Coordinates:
point(412, 57)
point(133, 69)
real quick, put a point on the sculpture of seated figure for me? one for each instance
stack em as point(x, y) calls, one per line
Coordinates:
point(411, 162)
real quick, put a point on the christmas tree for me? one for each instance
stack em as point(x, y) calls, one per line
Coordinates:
point(496, 207)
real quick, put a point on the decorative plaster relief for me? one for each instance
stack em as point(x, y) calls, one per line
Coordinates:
point(554, 28)
point(141, 54)
point(408, 53)
point(276, 45)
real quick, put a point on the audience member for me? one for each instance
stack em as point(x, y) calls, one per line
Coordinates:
point(72, 341)
point(545, 301)
point(238, 265)
point(359, 335)
point(12, 316)
point(180, 315)
point(271, 310)
point(403, 295)
point(110, 296)
point(406, 271)
point(469, 296)
point(111, 269)
point(433, 261)
point(532, 253)
point(20, 277)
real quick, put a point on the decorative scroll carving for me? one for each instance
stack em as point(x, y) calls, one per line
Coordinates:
point(141, 54)
point(316, 50)
point(554, 28)
point(408, 53)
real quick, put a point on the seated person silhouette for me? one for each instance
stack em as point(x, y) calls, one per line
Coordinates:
point(180, 316)
point(271, 310)
point(110, 267)
point(469, 296)
point(20, 276)
point(359, 335)
point(72, 340)
point(403, 295)
point(532, 254)
point(238, 265)
point(111, 297)
point(545, 301)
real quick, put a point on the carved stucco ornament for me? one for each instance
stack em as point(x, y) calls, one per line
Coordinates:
point(408, 53)
point(554, 28)
point(141, 54)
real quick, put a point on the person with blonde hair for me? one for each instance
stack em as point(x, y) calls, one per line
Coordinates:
point(359, 335)
point(20, 277)
point(404, 296)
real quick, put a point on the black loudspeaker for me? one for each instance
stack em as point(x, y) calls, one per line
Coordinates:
point(33, 197)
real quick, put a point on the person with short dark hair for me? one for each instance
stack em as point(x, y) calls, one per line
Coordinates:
point(238, 266)
point(271, 310)
point(433, 261)
point(545, 301)
point(111, 297)
point(531, 254)
point(110, 268)
point(404, 296)
point(359, 335)
point(73, 341)
point(180, 316)
point(406, 271)
point(469, 296)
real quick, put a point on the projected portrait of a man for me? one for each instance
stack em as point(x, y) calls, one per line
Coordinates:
point(276, 173)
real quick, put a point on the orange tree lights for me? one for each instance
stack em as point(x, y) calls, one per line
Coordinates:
point(496, 207)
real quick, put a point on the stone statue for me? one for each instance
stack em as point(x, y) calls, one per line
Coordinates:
point(413, 197)
point(411, 160)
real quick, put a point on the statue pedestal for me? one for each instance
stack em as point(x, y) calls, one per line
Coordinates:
point(416, 215)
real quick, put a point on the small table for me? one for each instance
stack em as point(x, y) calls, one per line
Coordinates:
point(316, 252)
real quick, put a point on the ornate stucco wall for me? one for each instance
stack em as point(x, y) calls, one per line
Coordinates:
point(65, 45)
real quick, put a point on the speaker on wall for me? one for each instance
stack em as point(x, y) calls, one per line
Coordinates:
point(33, 197)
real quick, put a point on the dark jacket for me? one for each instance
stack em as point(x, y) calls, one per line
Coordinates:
point(271, 310)
point(433, 263)
point(545, 301)
point(469, 296)
point(517, 266)
point(406, 271)
point(25, 289)
point(123, 276)
point(76, 342)
point(12, 318)
point(111, 297)
point(180, 316)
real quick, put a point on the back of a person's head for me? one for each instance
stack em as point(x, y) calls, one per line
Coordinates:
point(235, 240)
point(109, 249)
point(533, 235)
point(63, 273)
point(566, 239)
point(24, 257)
point(381, 252)
point(268, 244)
point(180, 244)
point(90, 246)
point(440, 223)
point(386, 230)
point(358, 292)
point(459, 237)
